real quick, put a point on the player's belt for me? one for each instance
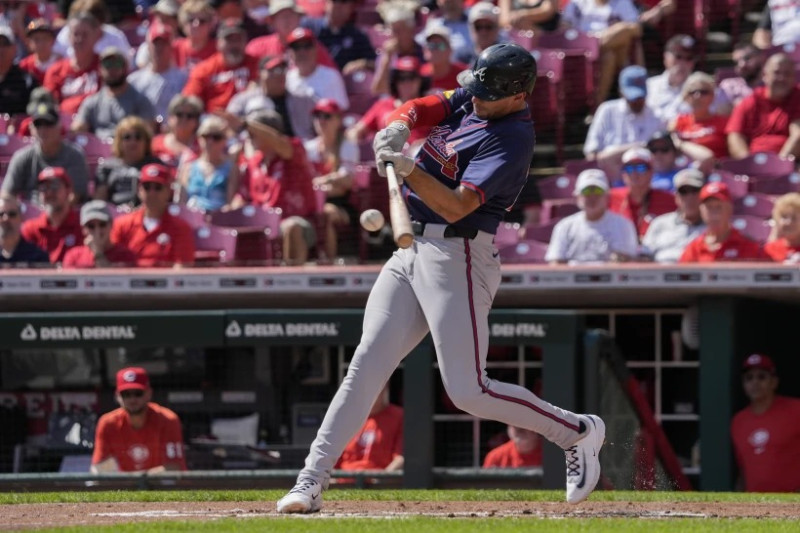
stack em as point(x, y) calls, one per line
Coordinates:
point(440, 230)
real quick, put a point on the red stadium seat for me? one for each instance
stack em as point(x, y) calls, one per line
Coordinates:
point(193, 217)
point(756, 228)
point(546, 102)
point(776, 185)
point(507, 234)
point(759, 165)
point(576, 166)
point(524, 251)
point(738, 185)
point(754, 204)
point(258, 231)
point(556, 187)
point(358, 85)
point(8, 145)
point(558, 208)
point(213, 244)
point(581, 56)
point(540, 232)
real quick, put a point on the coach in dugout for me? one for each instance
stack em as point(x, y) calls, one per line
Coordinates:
point(140, 435)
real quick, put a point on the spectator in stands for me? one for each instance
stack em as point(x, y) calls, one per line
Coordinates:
point(333, 158)
point(664, 94)
point(534, 15)
point(615, 24)
point(270, 93)
point(701, 126)
point(779, 25)
point(235, 9)
point(399, 18)
point(156, 237)
point(15, 83)
point(108, 35)
point(667, 159)
point(97, 250)
point(179, 142)
point(73, 78)
point(14, 16)
point(307, 77)
point(140, 435)
point(440, 68)
point(720, 241)
point(784, 246)
point(14, 248)
point(748, 63)
point(638, 201)
point(49, 149)
point(452, 15)
point(484, 30)
point(524, 448)
point(279, 175)
point(159, 80)
point(227, 72)
point(378, 445)
point(162, 15)
point(117, 177)
point(57, 228)
point(594, 234)
point(39, 95)
point(765, 434)
point(41, 37)
point(669, 234)
point(101, 112)
point(622, 124)
point(653, 13)
point(769, 119)
point(349, 47)
point(197, 20)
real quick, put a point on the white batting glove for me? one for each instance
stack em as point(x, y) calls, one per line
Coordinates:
point(403, 165)
point(393, 137)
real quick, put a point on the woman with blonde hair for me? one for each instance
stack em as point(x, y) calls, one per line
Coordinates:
point(701, 126)
point(180, 140)
point(784, 243)
point(117, 178)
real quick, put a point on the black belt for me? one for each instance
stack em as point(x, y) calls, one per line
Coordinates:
point(449, 231)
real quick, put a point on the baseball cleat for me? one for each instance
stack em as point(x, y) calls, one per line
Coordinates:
point(305, 497)
point(583, 460)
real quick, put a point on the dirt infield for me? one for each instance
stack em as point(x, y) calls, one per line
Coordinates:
point(29, 516)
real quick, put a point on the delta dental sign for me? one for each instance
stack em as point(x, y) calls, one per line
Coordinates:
point(30, 333)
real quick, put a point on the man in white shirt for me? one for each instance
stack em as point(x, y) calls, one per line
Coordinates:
point(307, 77)
point(594, 234)
point(779, 24)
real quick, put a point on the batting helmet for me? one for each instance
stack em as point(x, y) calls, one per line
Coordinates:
point(501, 70)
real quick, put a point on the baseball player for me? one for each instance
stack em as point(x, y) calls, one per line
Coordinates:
point(467, 175)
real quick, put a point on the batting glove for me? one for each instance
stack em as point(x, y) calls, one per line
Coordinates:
point(393, 137)
point(403, 165)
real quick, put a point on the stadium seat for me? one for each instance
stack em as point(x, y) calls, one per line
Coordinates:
point(776, 185)
point(525, 38)
point(258, 231)
point(759, 165)
point(576, 166)
point(756, 228)
point(546, 102)
point(358, 85)
point(8, 145)
point(754, 204)
point(29, 210)
point(540, 232)
point(215, 245)
point(738, 185)
point(193, 217)
point(524, 251)
point(556, 187)
point(558, 208)
point(581, 56)
point(507, 234)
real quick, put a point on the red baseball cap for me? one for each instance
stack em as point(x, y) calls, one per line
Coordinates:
point(155, 173)
point(299, 34)
point(715, 189)
point(757, 360)
point(327, 105)
point(55, 173)
point(158, 30)
point(133, 377)
point(406, 64)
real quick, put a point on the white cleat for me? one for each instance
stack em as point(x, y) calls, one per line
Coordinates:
point(305, 497)
point(583, 460)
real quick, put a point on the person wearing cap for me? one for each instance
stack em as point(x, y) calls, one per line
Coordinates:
point(15, 83)
point(664, 90)
point(162, 15)
point(638, 201)
point(440, 68)
point(284, 18)
point(400, 21)
point(227, 72)
point(765, 434)
point(306, 76)
point(156, 237)
point(159, 80)
point(594, 234)
point(669, 234)
point(40, 40)
point(671, 154)
point(700, 127)
point(57, 228)
point(784, 244)
point(337, 33)
point(748, 63)
point(621, 124)
point(197, 20)
point(14, 248)
point(101, 112)
point(97, 250)
point(769, 119)
point(533, 15)
point(720, 241)
point(108, 35)
point(452, 15)
point(484, 31)
point(778, 26)
point(179, 140)
point(140, 435)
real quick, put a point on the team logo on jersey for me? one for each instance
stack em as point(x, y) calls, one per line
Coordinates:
point(758, 440)
point(138, 453)
point(480, 73)
point(443, 151)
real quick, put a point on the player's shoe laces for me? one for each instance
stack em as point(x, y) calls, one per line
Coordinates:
point(305, 497)
point(583, 460)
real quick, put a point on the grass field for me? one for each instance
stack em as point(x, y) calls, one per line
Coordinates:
point(390, 511)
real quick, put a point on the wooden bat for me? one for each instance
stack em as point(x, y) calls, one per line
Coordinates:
point(398, 212)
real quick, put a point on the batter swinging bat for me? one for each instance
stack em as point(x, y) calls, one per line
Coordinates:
point(398, 212)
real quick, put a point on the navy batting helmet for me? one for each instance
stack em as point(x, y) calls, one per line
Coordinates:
point(501, 70)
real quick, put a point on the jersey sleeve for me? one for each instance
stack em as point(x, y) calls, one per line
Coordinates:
point(101, 450)
point(172, 440)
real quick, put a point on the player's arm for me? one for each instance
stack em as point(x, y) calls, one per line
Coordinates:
point(172, 453)
point(427, 111)
point(451, 204)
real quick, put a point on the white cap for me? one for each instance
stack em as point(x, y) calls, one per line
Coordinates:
point(484, 11)
point(591, 177)
point(7, 32)
point(637, 154)
point(439, 29)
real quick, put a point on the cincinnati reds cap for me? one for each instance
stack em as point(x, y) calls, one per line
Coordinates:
point(133, 377)
point(327, 105)
point(757, 360)
point(55, 173)
point(717, 190)
point(637, 155)
point(155, 173)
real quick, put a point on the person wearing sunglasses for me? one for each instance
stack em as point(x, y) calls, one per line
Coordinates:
point(155, 236)
point(668, 158)
point(784, 243)
point(700, 127)
point(140, 435)
point(15, 250)
point(594, 234)
point(440, 68)
point(664, 90)
point(307, 76)
point(179, 141)
point(765, 434)
point(197, 20)
point(97, 250)
point(669, 234)
point(484, 31)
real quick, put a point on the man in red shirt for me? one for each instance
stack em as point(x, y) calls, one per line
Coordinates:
point(227, 72)
point(524, 448)
point(637, 200)
point(139, 435)
point(765, 434)
point(155, 236)
point(97, 249)
point(74, 78)
point(769, 119)
point(440, 68)
point(720, 241)
point(58, 228)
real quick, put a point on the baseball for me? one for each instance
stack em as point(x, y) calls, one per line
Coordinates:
point(371, 220)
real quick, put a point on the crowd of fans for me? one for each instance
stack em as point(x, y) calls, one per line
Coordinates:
point(118, 111)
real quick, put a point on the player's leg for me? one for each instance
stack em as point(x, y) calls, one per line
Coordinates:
point(393, 326)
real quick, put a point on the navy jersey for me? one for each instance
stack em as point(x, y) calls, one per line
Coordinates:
point(489, 157)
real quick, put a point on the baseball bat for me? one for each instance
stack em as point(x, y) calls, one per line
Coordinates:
point(398, 212)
